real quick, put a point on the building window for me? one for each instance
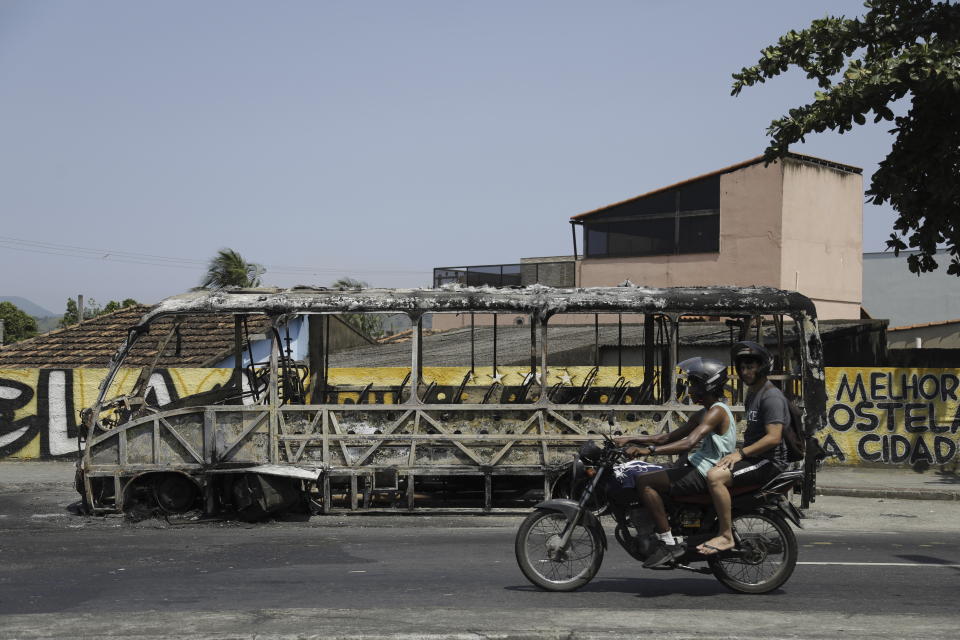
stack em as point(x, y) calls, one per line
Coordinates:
point(681, 220)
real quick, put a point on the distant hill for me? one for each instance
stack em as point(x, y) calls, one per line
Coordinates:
point(48, 324)
point(28, 307)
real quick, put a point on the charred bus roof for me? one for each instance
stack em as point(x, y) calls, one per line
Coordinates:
point(539, 299)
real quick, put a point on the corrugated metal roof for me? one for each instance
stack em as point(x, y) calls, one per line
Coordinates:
point(452, 347)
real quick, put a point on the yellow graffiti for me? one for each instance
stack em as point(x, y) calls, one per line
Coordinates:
point(892, 416)
point(33, 418)
point(188, 382)
point(884, 416)
point(29, 378)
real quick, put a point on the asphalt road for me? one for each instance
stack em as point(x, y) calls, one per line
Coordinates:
point(869, 568)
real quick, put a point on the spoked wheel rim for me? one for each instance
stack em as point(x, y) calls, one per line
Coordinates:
point(765, 556)
point(552, 565)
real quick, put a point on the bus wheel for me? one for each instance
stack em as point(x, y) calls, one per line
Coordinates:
point(175, 493)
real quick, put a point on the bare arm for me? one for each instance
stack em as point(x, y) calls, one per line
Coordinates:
point(622, 441)
point(690, 434)
point(768, 441)
point(662, 438)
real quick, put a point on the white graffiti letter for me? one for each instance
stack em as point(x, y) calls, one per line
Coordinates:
point(60, 442)
point(159, 386)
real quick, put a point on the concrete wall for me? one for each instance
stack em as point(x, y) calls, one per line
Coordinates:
point(750, 205)
point(940, 336)
point(822, 237)
point(39, 408)
point(551, 274)
point(795, 225)
point(905, 417)
point(891, 291)
point(829, 310)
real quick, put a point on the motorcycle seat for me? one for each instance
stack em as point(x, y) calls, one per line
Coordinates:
point(704, 498)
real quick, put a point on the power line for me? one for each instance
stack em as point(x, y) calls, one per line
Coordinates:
point(93, 257)
point(147, 259)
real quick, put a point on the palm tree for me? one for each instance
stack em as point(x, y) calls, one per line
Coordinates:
point(367, 323)
point(229, 269)
point(349, 283)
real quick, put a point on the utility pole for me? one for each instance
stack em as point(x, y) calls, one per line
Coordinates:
point(79, 308)
point(1, 332)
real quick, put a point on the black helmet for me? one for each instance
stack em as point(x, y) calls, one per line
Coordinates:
point(708, 372)
point(748, 350)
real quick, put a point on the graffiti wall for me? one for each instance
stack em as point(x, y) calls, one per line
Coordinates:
point(881, 416)
point(39, 408)
point(875, 416)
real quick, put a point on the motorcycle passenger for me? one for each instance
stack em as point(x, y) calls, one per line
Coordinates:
point(763, 454)
point(714, 425)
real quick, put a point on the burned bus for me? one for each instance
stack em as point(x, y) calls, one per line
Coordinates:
point(454, 392)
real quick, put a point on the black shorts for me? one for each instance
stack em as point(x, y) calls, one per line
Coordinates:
point(686, 481)
point(751, 471)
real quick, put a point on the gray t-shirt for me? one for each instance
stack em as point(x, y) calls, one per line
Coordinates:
point(766, 406)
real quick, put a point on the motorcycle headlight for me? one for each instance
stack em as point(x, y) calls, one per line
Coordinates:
point(590, 453)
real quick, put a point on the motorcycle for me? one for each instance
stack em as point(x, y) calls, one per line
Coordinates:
point(560, 545)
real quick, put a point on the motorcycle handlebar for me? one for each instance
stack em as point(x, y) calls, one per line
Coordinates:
point(610, 444)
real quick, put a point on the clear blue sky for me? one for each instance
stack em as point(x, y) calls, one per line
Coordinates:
point(371, 139)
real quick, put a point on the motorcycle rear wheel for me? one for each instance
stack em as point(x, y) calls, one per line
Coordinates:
point(769, 549)
point(546, 569)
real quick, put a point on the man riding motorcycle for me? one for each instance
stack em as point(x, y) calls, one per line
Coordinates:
point(709, 435)
point(763, 454)
point(560, 545)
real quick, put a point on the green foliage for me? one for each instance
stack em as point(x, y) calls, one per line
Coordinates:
point(17, 324)
point(900, 49)
point(113, 305)
point(367, 323)
point(228, 269)
point(91, 310)
point(71, 315)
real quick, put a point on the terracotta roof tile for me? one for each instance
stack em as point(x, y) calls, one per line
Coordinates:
point(203, 339)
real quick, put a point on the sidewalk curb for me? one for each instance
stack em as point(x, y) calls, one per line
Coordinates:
point(890, 494)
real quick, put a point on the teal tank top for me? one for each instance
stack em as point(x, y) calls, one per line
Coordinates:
point(715, 446)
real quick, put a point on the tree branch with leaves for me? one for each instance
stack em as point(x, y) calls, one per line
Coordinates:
point(17, 324)
point(900, 49)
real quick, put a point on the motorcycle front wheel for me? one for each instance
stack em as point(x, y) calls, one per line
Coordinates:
point(547, 566)
point(768, 554)
point(599, 504)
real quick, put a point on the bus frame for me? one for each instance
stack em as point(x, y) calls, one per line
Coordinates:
point(318, 446)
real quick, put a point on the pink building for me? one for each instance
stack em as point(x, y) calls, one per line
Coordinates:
point(794, 224)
